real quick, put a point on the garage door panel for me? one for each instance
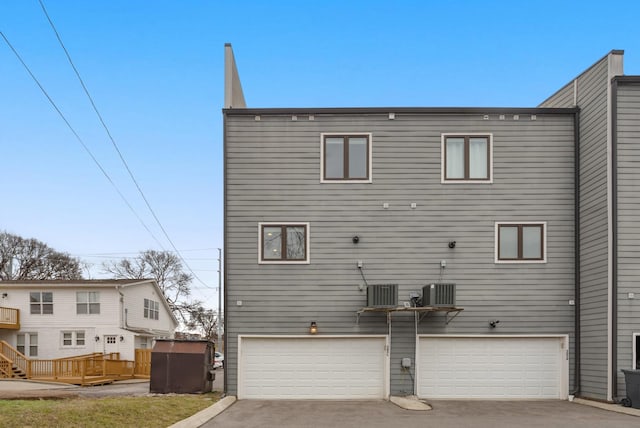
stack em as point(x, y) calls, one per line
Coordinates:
point(465, 367)
point(313, 367)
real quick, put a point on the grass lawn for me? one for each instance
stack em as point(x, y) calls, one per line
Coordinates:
point(152, 411)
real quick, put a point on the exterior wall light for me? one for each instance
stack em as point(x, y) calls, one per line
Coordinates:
point(121, 338)
point(4, 295)
point(97, 338)
point(313, 328)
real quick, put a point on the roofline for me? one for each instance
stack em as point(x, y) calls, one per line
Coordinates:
point(611, 52)
point(626, 79)
point(406, 110)
point(74, 282)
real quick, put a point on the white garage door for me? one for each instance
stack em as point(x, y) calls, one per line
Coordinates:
point(492, 367)
point(338, 367)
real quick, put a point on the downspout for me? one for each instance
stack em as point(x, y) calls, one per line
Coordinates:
point(576, 238)
point(614, 239)
point(123, 321)
point(224, 243)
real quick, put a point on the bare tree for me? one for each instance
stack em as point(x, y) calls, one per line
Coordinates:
point(30, 259)
point(205, 321)
point(166, 268)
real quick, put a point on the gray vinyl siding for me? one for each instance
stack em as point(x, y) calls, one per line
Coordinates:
point(628, 159)
point(592, 99)
point(273, 175)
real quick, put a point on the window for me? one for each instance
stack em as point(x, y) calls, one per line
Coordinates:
point(521, 242)
point(41, 302)
point(151, 309)
point(466, 158)
point(73, 338)
point(87, 302)
point(143, 343)
point(27, 344)
point(111, 340)
point(346, 157)
point(284, 243)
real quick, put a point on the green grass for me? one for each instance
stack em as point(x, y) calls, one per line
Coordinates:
point(156, 411)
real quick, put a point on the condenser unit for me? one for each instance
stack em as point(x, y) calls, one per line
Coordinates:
point(382, 295)
point(439, 295)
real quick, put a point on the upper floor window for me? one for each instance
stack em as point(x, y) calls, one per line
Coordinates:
point(521, 242)
point(466, 158)
point(151, 309)
point(284, 243)
point(346, 157)
point(87, 302)
point(41, 302)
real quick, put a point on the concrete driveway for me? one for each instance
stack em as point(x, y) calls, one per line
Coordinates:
point(383, 414)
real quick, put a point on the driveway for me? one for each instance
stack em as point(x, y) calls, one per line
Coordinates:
point(383, 414)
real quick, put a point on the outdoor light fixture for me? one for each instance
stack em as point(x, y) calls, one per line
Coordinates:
point(97, 338)
point(313, 328)
point(121, 338)
point(452, 244)
point(4, 295)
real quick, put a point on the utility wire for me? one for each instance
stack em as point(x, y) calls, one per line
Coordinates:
point(73, 131)
point(115, 146)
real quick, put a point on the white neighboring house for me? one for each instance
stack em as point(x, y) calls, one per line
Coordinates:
point(66, 318)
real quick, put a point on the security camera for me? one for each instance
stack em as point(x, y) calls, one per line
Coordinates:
point(356, 239)
point(494, 323)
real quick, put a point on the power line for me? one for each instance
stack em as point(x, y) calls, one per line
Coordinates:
point(115, 146)
point(73, 131)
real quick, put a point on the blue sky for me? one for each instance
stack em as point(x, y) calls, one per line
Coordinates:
point(155, 71)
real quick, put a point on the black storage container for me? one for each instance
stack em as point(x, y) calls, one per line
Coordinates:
point(182, 366)
point(632, 383)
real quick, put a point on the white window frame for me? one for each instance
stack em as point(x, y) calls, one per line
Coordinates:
point(634, 338)
point(443, 166)
point(284, 262)
point(74, 338)
point(151, 310)
point(88, 302)
point(27, 345)
point(369, 136)
point(544, 242)
point(41, 303)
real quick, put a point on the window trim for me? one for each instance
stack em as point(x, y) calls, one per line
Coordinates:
point(520, 223)
point(88, 303)
point(443, 158)
point(41, 303)
point(368, 136)
point(151, 309)
point(634, 338)
point(307, 259)
point(74, 338)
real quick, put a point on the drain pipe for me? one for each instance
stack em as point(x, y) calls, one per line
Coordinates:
point(576, 244)
point(614, 241)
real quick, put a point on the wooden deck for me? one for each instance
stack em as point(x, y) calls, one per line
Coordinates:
point(9, 318)
point(86, 370)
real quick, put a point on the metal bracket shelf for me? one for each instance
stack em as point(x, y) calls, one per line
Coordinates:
point(424, 311)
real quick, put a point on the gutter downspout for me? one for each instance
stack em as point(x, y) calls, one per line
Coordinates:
point(224, 243)
point(614, 240)
point(576, 238)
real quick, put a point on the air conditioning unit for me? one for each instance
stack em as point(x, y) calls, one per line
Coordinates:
point(439, 295)
point(382, 295)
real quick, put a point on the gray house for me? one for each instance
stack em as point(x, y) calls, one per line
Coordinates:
point(442, 252)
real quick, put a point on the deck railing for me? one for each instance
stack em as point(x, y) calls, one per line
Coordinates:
point(10, 318)
point(14, 356)
point(76, 369)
